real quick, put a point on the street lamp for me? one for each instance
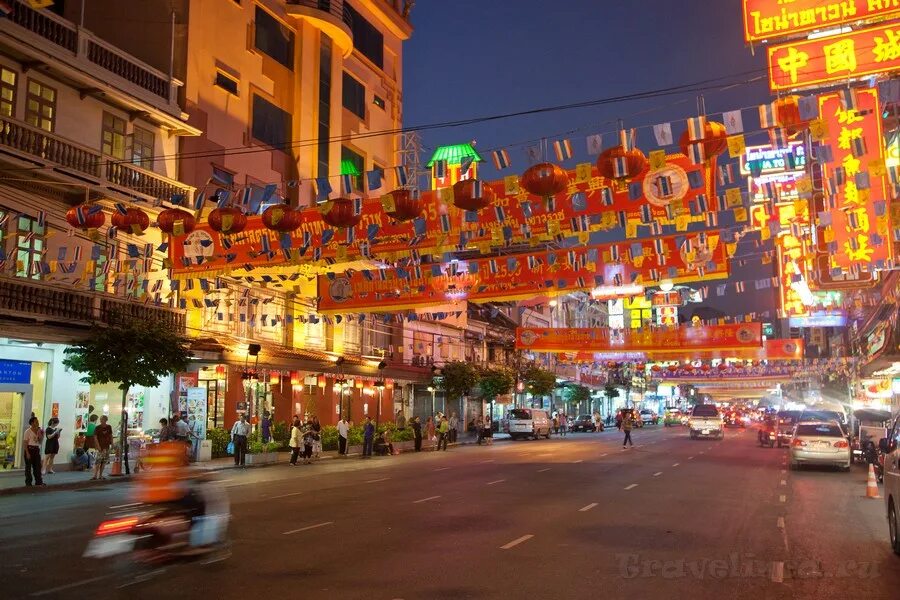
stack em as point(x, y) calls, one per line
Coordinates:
point(433, 390)
point(380, 385)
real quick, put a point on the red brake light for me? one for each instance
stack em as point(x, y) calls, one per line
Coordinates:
point(116, 526)
point(841, 444)
point(798, 443)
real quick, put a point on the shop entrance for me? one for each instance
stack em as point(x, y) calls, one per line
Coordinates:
point(15, 410)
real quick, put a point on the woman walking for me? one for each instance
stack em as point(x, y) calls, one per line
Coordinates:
point(417, 433)
point(295, 442)
point(429, 430)
point(317, 437)
point(51, 445)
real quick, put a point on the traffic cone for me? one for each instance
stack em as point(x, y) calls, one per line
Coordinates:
point(115, 469)
point(871, 484)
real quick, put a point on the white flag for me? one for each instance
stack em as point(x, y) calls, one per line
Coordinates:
point(663, 133)
point(734, 122)
point(595, 144)
point(534, 154)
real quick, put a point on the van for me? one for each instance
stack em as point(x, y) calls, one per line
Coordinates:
point(890, 447)
point(528, 422)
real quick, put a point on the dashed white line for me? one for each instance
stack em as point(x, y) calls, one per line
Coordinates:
point(632, 486)
point(690, 458)
point(783, 482)
point(307, 528)
point(588, 507)
point(285, 495)
point(782, 498)
point(575, 462)
point(657, 474)
point(516, 542)
point(425, 499)
point(490, 460)
point(603, 455)
point(495, 482)
point(70, 585)
point(377, 480)
point(676, 464)
point(125, 505)
point(442, 469)
point(780, 523)
point(777, 572)
point(543, 470)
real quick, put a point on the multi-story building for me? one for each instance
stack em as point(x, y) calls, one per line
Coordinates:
point(81, 121)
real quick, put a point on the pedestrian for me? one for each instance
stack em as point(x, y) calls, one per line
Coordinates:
point(181, 429)
point(488, 430)
point(479, 430)
point(296, 436)
point(627, 424)
point(368, 437)
point(317, 436)
point(399, 419)
point(556, 424)
point(454, 427)
point(417, 433)
point(307, 443)
point(343, 428)
point(429, 430)
point(563, 424)
point(32, 450)
point(90, 440)
point(51, 445)
point(598, 422)
point(104, 435)
point(619, 420)
point(265, 427)
point(386, 440)
point(81, 460)
point(239, 433)
point(443, 433)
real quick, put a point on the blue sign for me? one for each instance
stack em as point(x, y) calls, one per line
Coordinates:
point(819, 320)
point(15, 371)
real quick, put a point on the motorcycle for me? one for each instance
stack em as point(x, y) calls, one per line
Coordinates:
point(767, 437)
point(873, 456)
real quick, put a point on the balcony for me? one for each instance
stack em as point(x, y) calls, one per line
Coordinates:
point(52, 304)
point(32, 146)
point(80, 53)
point(329, 16)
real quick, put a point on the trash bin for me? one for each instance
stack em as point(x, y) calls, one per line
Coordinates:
point(205, 452)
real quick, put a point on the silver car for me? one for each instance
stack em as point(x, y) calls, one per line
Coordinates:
point(820, 443)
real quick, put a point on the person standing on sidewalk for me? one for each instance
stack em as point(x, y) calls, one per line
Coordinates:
point(417, 433)
point(317, 437)
point(51, 445)
point(444, 433)
point(627, 425)
point(104, 435)
point(429, 430)
point(563, 424)
point(239, 433)
point(343, 428)
point(454, 427)
point(296, 437)
point(368, 437)
point(31, 446)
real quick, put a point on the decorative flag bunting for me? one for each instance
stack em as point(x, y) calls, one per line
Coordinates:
point(563, 150)
point(734, 122)
point(767, 116)
point(594, 144)
point(696, 127)
point(663, 134)
point(501, 159)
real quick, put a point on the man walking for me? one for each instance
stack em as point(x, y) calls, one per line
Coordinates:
point(32, 447)
point(343, 428)
point(417, 433)
point(239, 433)
point(368, 437)
point(627, 424)
point(454, 427)
point(104, 435)
point(444, 433)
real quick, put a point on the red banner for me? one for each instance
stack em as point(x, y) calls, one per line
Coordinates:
point(676, 340)
point(516, 217)
point(770, 350)
point(773, 19)
point(818, 62)
point(681, 259)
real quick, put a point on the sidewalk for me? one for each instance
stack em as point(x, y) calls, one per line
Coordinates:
point(13, 482)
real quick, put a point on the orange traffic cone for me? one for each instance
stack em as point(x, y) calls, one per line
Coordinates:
point(871, 484)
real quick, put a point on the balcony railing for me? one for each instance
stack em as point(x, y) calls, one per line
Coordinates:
point(86, 51)
point(335, 8)
point(60, 152)
point(47, 302)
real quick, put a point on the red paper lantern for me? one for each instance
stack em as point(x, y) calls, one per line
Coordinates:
point(656, 368)
point(274, 378)
point(134, 220)
point(621, 165)
point(704, 367)
point(227, 220)
point(787, 115)
point(167, 219)
point(340, 213)
point(85, 216)
point(545, 180)
point(688, 367)
point(281, 218)
point(715, 140)
point(472, 194)
point(672, 368)
point(722, 366)
point(406, 206)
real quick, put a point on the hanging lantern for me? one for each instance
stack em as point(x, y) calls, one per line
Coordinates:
point(545, 180)
point(401, 205)
point(171, 218)
point(715, 140)
point(295, 378)
point(134, 220)
point(220, 371)
point(274, 378)
point(321, 381)
point(656, 368)
point(688, 367)
point(360, 384)
point(472, 194)
point(227, 220)
point(281, 218)
point(704, 367)
point(672, 368)
point(621, 165)
point(787, 115)
point(722, 366)
point(85, 216)
point(340, 213)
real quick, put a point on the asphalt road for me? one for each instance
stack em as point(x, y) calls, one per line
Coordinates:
point(573, 517)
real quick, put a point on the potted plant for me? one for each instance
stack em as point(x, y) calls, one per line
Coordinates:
point(259, 453)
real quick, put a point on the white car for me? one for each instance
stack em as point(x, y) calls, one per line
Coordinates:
point(820, 443)
point(890, 446)
point(528, 422)
point(706, 421)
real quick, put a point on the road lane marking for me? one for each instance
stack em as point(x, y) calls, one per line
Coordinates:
point(542, 470)
point(575, 462)
point(308, 527)
point(783, 471)
point(690, 458)
point(70, 585)
point(778, 572)
point(377, 480)
point(632, 486)
point(490, 460)
point(783, 482)
point(117, 506)
point(516, 542)
point(588, 507)
point(285, 495)
point(497, 481)
point(426, 499)
point(780, 523)
point(676, 464)
point(782, 498)
point(442, 469)
point(657, 474)
point(602, 455)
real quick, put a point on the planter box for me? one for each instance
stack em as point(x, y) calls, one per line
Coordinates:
point(263, 458)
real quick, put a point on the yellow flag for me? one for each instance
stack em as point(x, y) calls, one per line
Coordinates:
point(828, 235)
point(511, 185)
point(765, 233)
point(804, 185)
point(736, 145)
point(681, 222)
point(730, 248)
point(733, 198)
point(553, 227)
point(740, 214)
point(447, 195)
point(388, 203)
point(657, 159)
point(818, 128)
point(38, 4)
point(584, 237)
point(630, 229)
point(582, 173)
point(877, 168)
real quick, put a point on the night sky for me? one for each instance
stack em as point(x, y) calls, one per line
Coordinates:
point(472, 58)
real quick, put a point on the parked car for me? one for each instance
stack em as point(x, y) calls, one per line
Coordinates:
point(583, 423)
point(648, 417)
point(528, 422)
point(820, 443)
point(890, 448)
point(706, 421)
point(786, 421)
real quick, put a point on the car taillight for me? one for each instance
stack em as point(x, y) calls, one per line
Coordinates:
point(117, 526)
point(798, 443)
point(841, 444)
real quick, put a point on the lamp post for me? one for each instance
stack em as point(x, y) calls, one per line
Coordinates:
point(433, 390)
point(380, 385)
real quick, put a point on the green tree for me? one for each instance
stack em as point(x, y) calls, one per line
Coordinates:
point(576, 394)
point(539, 381)
point(459, 378)
point(611, 392)
point(130, 352)
point(495, 381)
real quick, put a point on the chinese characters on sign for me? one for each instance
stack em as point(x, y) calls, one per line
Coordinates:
point(773, 19)
point(808, 63)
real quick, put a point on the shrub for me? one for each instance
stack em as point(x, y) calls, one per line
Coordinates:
point(219, 438)
point(281, 433)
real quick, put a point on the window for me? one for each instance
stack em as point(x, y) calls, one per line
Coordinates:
point(113, 136)
point(7, 92)
point(226, 82)
point(822, 430)
point(142, 141)
point(354, 96)
point(378, 101)
point(366, 38)
point(29, 246)
point(271, 125)
point(222, 177)
point(273, 38)
point(40, 105)
point(353, 164)
point(324, 106)
point(705, 410)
